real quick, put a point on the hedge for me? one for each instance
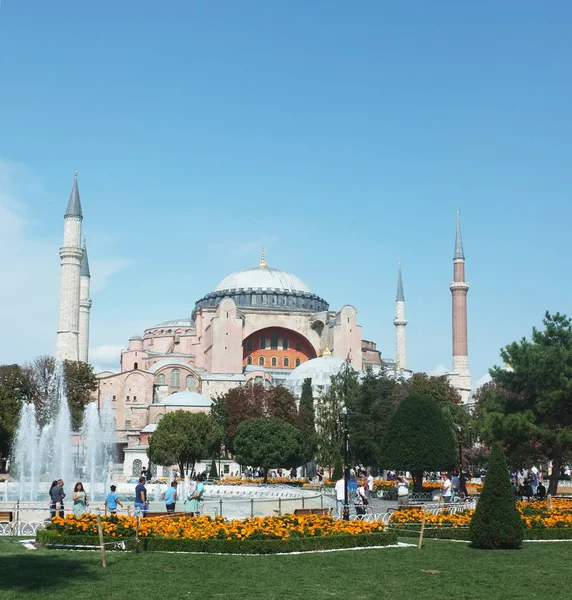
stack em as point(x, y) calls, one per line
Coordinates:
point(457, 533)
point(159, 544)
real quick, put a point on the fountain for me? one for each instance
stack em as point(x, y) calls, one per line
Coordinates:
point(46, 455)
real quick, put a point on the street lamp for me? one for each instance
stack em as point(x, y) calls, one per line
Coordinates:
point(344, 420)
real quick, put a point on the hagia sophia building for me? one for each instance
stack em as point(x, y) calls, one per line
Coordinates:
point(260, 325)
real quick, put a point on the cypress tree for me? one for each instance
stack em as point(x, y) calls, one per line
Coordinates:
point(496, 522)
point(338, 468)
point(307, 420)
point(213, 473)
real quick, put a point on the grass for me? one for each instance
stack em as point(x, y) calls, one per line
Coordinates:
point(441, 569)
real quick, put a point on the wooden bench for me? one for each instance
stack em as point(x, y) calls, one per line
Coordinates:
point(6, 516)
point(298, 512)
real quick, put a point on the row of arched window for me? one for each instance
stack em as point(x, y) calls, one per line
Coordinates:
point(176, 379)
point(273, 361)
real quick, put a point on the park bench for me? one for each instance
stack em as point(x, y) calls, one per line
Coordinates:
point(6, 516)
point(312, 511)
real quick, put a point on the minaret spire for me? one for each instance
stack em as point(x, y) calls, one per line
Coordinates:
point(460, 377)
point(400, 323)
point(71, 254)
point(459, 253)
point(84, 306)
point(262, 264)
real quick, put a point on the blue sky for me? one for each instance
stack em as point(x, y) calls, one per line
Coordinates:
point(341, 136)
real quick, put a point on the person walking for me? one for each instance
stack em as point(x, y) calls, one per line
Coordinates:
point(189, 498)
point(170, 496)
point(340, 495)
point(369, 486)
point(197, 497)
point(140, 502)
point(57, 498)
point(112, 501)
point(80, 499)
point(53, 501)
point(446, 489)
point(402, 486)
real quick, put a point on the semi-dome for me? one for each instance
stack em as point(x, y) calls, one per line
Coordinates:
point(319, 370)
point(186, 399)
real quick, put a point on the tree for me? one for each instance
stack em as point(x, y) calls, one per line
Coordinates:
point(14, 391)
point(183, 438)
point(528, 406)
point(307, 420)
point(252, 402)
point(40, 374)
point(213, 474)
point(496, 522)
point(378, 396)
point(437, 388)
point(418, 439)
point(268, 443)
point(343, 391)
point(80, 383)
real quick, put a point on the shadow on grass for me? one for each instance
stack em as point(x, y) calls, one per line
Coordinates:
point(44, 570)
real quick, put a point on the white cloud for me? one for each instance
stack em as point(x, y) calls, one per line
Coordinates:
point(106, 354)
point(438, 371)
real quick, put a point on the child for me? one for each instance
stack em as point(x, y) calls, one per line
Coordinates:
point(111, 501)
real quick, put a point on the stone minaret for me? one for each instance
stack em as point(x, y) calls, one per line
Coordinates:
point(67, 346)
point(460, 377)
point(400, 322)
point(84, 306)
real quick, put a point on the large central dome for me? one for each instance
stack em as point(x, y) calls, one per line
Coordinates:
point(262, 278)
point(264, 288)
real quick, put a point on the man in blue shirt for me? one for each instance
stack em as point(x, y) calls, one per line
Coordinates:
point(111, 501)
point(140, 497)
point(170, 495)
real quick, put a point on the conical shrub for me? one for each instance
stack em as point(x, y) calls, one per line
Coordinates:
point(496, 522)
point(213, 472)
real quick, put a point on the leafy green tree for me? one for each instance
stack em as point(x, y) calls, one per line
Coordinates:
point(14, 390)
point(252, 402)
point(496, 522)
point(40, 374)
point(80, 383)
point(527, 407)
point(308, 420)
point(338, 471)
point(269, 443)
point(437, 388)
point(419, 438)
point(184, 438)
point(378, 396)
point(343, 391)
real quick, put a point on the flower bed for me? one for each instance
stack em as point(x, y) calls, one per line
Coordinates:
point(541, 522)
point(260, 481)
point(204, 534)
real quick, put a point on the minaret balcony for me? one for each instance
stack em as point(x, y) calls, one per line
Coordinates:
point(397, 322)
point(459, 285)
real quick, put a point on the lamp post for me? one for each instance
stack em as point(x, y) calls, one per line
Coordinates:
point(460, 450)
point(344, 420)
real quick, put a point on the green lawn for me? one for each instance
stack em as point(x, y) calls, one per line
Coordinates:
point(455, 571)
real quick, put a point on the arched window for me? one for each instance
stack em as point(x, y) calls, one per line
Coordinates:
point(175, 378)
point(190, 382)
point(274, 361)
point(135, 366)
point(261, 361)
point(249, 360)
point(161, 379)
point(137, 467)
point(298, 362)
point(286, 362)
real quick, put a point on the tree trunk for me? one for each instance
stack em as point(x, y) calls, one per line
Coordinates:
point(265, 475)
point(417, 481)
point(553, 486)
point(182, 470)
